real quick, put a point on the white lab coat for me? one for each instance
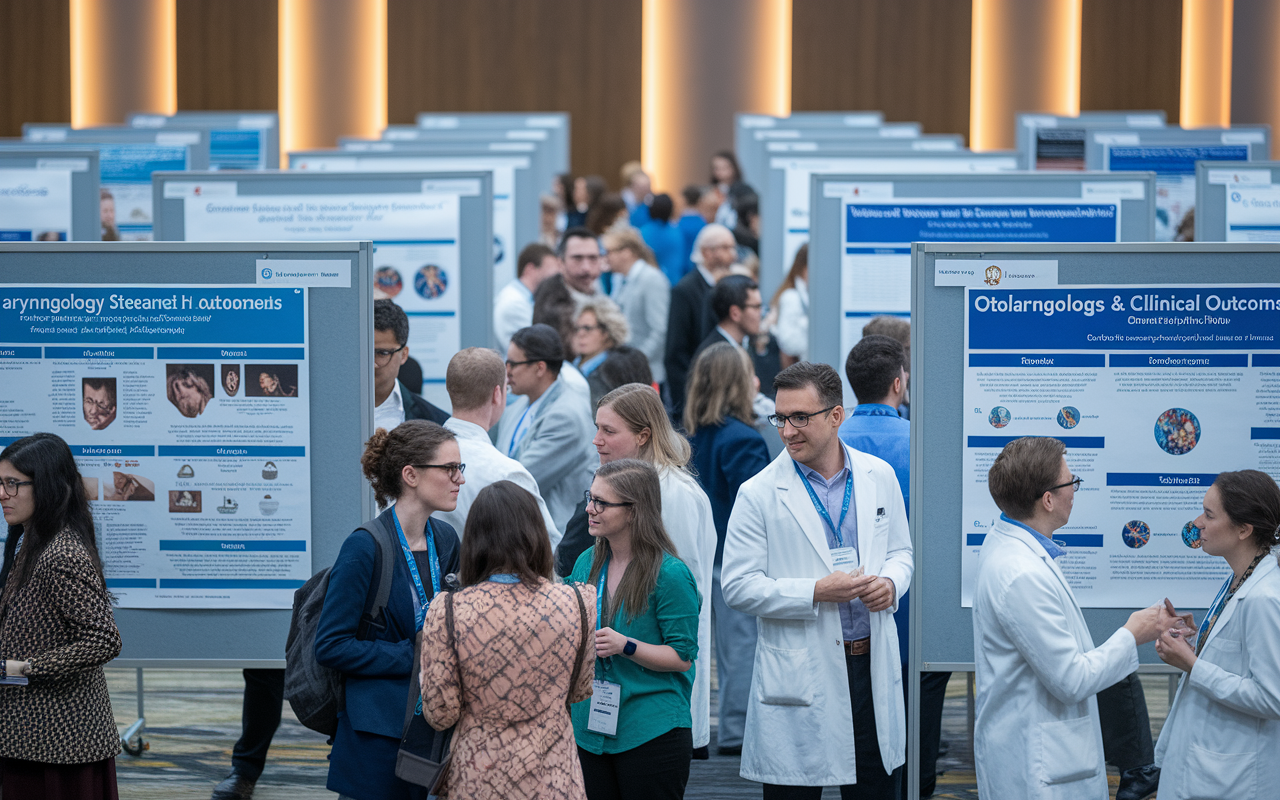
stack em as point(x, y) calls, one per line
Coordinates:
point(1222, 735)
point(1037, 735)
point(686, 514)
point(799, 727)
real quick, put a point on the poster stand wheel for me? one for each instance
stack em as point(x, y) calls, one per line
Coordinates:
point(131, 740)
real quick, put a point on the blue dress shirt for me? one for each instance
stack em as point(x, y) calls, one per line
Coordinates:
point(855, 620)
point(1050, 546)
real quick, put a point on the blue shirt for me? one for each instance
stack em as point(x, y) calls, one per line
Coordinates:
point(1050, 546)
point(689, 225)
point(855, 620)
point(667, 244)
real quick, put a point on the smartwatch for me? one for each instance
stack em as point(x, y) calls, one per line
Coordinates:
point(629, 649)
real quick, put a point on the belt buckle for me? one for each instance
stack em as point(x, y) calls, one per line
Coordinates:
point(861, 647)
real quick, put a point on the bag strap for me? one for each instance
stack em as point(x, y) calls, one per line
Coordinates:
point(384, 565)
point(582, 645)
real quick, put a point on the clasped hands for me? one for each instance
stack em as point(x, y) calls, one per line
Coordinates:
point(1170, 630)
point(877, 593)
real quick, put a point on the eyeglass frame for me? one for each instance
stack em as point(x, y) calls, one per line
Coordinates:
point(773, 419)
point(11, 487)
point(457, 468)
point(584, 328)
point(512, 364)
point(601, 505)
point(1075, 479)
point(386, 354)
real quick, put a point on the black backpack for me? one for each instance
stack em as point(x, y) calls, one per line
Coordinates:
point(315, 692)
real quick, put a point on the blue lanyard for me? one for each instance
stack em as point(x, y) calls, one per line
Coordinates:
point(515, 434)
point(503, 577)
point(1214, 611)
point(413, 568)
point(822, 510)
point(600, 587)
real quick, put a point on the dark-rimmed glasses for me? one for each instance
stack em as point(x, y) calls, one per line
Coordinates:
point(601, 505)
point(381, 358)
point(10, 486)
point(454, 470)
point(796, 420)
point(1074, 483)
point(511, 363)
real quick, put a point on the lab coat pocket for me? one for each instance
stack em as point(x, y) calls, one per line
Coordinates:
point(1225, 653)
point(783, 677)
point(1217, 776)
point(1069, 750)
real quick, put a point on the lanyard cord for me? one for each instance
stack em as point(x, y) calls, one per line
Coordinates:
point(432, 558)
point(822, 510)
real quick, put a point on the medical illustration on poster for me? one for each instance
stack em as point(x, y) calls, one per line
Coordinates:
point(187, 410)
point(1155, 389)
point(127, 214)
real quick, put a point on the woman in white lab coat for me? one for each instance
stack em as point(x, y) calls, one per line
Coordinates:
point(1222, 735)
point(632, 423)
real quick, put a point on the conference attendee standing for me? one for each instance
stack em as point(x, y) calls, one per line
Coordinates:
point(726, 177)
point(632, 423)
point(727, 451)
point(700, 203)
point(548, 427)
point(644, 295)
point(690, 318)
point(476, 380)
point(417, 467)
point(1223, 730)
point(818, 549)
point(640, 745)
point(517, 651)
point(513, 307)
point(555, 305)
point(599, 327)
point(791, 305)
point(581, 263)
point(736, 304)
point(664, 239)
point(393, 402)
point(1037, 733)
point(58, 738)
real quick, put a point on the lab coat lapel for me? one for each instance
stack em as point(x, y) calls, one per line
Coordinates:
point(794, 497)
point(1030, 541)
point(871, 548)
point(1267, 564)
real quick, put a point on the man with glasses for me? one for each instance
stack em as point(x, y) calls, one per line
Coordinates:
point(549, 427)
point(393, 402)
point(1037, 732)
point(817, 548)
point(690, 318)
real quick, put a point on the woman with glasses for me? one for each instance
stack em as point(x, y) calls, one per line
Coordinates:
point(58, 738)
point(415, 469)
point(1223, 729)
point(518, 650)
point(599, 327)
point(631, 422)
point(633, 733)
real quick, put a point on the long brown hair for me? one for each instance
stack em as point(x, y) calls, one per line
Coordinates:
point(720, 386)
point(636, 482)
point(640, 407)
point(800, 264)
point(505, 534)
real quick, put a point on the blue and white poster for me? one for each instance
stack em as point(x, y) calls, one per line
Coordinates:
point(1175, 168)
point(35, 204)
point(1155, 389)
point(187, 410)
point(125, 201)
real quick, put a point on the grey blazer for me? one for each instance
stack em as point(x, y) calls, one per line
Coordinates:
point(557, 449)
point(645, 299)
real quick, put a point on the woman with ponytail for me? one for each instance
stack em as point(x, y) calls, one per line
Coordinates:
point(1223, 730)
point(58, 738)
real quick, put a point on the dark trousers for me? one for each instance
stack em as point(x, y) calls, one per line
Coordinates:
point(655, 770)
point(933, 693)
point(1126, 727)
point(873, 782)
point(259, 718)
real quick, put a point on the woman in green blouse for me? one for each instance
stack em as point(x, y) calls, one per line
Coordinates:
point(634, 736)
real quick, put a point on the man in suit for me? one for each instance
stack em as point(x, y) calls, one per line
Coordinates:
point(644, 295)
point(691, 318)
point(818, 549)
point(513, 307)
point(736, 304)
point(549, 427)
point(393, 402)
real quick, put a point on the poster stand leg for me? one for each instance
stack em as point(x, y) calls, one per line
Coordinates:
point(137, 728)
point(971, 706)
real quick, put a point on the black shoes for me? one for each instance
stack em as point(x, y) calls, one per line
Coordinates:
point(1139, 782)
point(235, 786)
point(729, 750)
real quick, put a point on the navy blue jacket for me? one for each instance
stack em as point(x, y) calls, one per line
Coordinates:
point(725, 456)
point(377, 671)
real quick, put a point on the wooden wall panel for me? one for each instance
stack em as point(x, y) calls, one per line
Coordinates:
point(227, 55)
point(580, 56)
point(907, 58)
point(35, 63)
point(1131, 55)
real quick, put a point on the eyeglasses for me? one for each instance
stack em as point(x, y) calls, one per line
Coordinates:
point(601, 505)
point(587, 328)
point(588, 259)
point(10, 486)
point(1074, 483)
point(511, 363)
point(454, 470)
point(796, 420)
point(89, 402)
point(381, 358)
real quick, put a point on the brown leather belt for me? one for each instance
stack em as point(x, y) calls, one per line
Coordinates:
point(858, 648)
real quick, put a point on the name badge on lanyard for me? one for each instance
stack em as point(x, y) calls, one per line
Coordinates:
point(843, 557)
point(606, 696)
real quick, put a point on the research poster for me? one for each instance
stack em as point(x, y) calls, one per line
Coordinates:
point(35, 204)
point(416, 253)
point(1155, 389)
point(505, 247)
point(126, 169)
point(877, 230)
point(1253, 205)
point(1175, 169)
point(797, 172)
point(187, 410)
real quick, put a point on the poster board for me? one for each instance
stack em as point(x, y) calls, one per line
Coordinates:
point(429, 234)
point(557, 124)
point(1237, 202)
point(48, 191)
point(744, 124)
point(197, 139)
point(538, 142)
point(1062, 137)
point(237, 140)
point(205, 570)
point(753, 157)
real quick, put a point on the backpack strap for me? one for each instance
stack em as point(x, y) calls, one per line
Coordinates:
point(374, 618)
point(582, 644)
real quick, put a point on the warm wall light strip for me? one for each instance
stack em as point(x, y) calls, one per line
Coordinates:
point(1206, 63)
point(782, 61)
point(124, 58)
point(650, 155)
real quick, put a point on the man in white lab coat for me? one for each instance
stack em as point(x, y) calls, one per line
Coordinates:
point(817, 549)
point(1037, 734)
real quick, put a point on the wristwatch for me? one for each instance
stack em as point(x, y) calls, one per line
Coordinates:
point(629, 649)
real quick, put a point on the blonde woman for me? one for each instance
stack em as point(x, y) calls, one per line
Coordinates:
point(599, 327)
point(631, 422)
